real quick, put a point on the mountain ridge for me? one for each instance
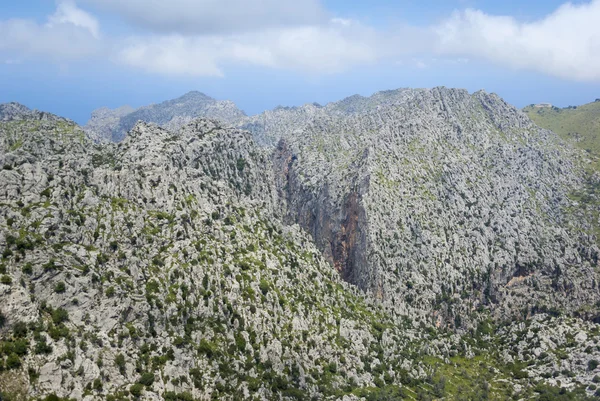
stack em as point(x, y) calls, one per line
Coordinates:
point(420, 244)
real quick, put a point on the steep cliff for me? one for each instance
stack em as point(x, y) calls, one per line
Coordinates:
point(442, 203)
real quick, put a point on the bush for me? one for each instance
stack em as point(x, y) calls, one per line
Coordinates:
point(593, 364)
point(136, 389)
point(264, 286)
point(21, 346)
point(13, 361)
point(6, 280)
point(27, 269)
point(147, 379)
point(206, 347)
point(97, 384)
point(60, 287)
point(110, 292)
point(60, 315)
point(20, 330)
point(42, 347)
point(120, 362)
point(173, 396)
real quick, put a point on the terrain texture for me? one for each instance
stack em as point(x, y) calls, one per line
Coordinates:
point(416, 244)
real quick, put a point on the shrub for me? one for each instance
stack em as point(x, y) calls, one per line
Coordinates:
point(5, 279)
point(51, 265)
point(27, 269)
point(264, 286)
point(241, 163)
point(97, 384)
point(173, 396)
point(136, 389)
point(60, 315)
point(147, 379)
point(20, 330)
point(42, 347)
point(593, 364)
point(120, 362)
point(60, 287)
point(13, 361)
point(110, 291)
point(21, 346)
point(206, 347)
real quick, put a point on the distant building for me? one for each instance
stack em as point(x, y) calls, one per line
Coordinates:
point(543, 105)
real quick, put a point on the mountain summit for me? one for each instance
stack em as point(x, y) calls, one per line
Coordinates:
point(107, 124)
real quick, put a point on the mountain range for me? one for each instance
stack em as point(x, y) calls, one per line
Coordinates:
point(414, 244)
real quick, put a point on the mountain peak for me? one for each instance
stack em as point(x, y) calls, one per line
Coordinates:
point(170, 114)
point(16, 111)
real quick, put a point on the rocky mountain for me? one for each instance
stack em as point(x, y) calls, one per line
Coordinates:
point(113, 125)
point(18, 112)
point(282, 122)
point(417, 244)
point(442, 203)
point(105, 122)
point(266, 128)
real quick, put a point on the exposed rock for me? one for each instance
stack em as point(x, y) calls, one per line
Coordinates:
point(113, 125)
point(387, 247)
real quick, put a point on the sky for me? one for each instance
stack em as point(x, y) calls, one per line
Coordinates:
point(70, 57)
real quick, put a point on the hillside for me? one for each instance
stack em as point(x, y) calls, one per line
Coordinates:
point(418, 244)
point(580, 125)
point(444, 203)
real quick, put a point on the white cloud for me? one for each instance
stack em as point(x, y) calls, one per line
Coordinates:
point(315, 49)
point(69, 34)
point(202, 37)
point(172, 55)
point(188, 17)
point(68, 13)
point(61, 42)
point(566, 43)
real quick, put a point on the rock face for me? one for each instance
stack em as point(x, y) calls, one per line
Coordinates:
point(282, 122)
point(441, 194)
point(374, 252)
point(18, 112)
point(105, 122)
point(162, 261)
point(113, 125)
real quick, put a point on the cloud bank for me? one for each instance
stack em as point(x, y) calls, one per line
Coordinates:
point(190, 17)
point(326, 48)
point(202, 37)
point(565, 43)
point(70, 33)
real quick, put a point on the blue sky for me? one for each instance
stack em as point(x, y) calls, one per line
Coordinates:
point(70, 57)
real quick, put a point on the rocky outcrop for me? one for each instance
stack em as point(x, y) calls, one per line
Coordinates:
point(104, 122)
point(158, 268)
point(440, 194)
point(18, 112)
point(113, 125)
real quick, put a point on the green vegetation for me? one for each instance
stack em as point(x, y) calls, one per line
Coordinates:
point(578, 125)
